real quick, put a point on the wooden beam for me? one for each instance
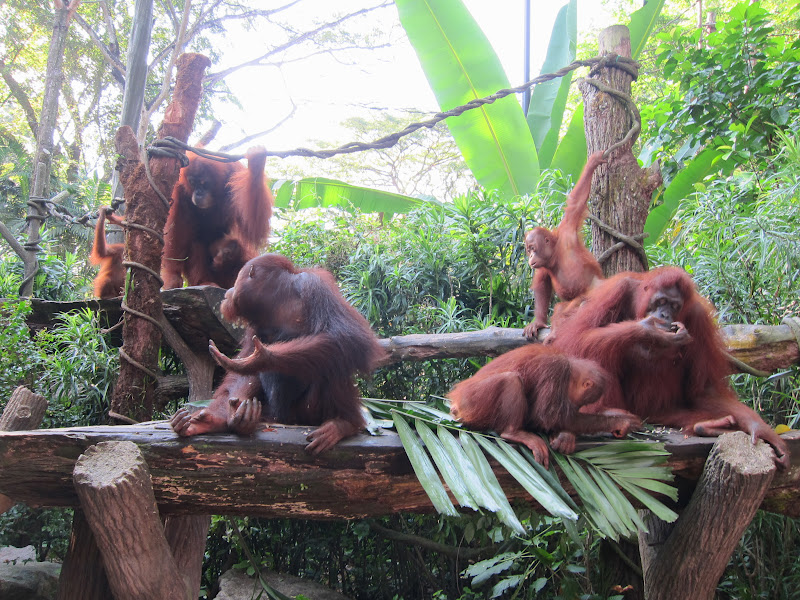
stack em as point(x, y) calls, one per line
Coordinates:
point(271, 475)
point(194, 312)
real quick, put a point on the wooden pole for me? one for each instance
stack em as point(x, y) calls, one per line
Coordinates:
point(83, 575)
point(113, 483)
point(24, 410)
point(134, 393)
point(696, 551)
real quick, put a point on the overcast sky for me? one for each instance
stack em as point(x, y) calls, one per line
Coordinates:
point(327, 90)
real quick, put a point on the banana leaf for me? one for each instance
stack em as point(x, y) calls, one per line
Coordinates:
point(548, 100)
point(461, 65)
point(319, 191)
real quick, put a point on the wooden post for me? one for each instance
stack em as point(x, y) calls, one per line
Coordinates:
point(693, 555)
point(24, 410)
point(134, 393)
point(186, 536)
point(83, 576)
point(621, 191)
point(113, 483)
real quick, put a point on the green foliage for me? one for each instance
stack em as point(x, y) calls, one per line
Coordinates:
point(738, 238)
point(734, 91)
point(461, 65)
point(596, 474)
point(46, 529)
point(72, 365)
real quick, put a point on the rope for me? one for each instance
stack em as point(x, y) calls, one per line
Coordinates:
point(612, 61)
point(170, 147)
point(633, 113)
point(632, 241)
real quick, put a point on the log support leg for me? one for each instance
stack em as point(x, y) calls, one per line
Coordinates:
point(113, 483)
point(692, 553)
point(24, 410)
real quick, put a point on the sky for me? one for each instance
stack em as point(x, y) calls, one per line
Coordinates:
point(327, 91)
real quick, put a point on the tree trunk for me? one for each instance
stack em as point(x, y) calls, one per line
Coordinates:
point(113, 483)
point(42, 161)
point(134, 394)
point(621, 191)
point(135, 80)
point(24, 410)
point(83, 576)
point(694, 554)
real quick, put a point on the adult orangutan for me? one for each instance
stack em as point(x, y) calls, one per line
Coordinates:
point(559, 258)
point(110, 279)
point(657, 337)
point(301, 349)
point(533, 389)
point(218, 219)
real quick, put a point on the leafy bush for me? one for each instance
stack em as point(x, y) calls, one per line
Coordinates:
point(738, 89)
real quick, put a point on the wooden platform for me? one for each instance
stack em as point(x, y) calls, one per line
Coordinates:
point(271, 475)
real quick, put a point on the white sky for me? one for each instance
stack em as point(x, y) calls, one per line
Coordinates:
point(327, 91)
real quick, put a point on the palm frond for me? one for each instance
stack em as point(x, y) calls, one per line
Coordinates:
point(603, 477)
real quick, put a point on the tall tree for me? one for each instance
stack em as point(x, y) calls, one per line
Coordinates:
point(64, 10)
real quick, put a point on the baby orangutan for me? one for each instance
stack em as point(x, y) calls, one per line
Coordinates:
point(538, 389)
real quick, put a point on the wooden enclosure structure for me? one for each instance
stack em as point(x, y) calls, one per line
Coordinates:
point(144, 495)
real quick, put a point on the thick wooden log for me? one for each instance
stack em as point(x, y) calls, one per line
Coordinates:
point(194, 312)
point(186, 536)
point(134, 392)
point(112, 481)
point(83, 576)
point(271, 475)
point(734, 482)
point(24, 410)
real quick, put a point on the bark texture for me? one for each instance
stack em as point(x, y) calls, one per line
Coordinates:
point(734, 482)
point(134, 394)
point(24, 410)
point(112, 481)
point(621, 190)
point(271, 475)
point(83, 575)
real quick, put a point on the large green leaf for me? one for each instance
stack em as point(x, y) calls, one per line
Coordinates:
point(318, 191)
point(423, 468)
point(461, 65)
point(505, 513)
point(548, 100)
point(705, 163)
point(570, 155)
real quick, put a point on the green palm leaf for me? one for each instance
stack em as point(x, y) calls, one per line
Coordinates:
point(423, 468)
point(446, 465)
point(461, 65)
point(319, 191)
point(489, 480)
point(601, 476)
point(548, 100)
point(528, 478)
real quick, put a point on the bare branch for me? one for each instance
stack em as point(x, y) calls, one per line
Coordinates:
point(21, 97)
point(117, 68)
point(215, 77)
point(8, 236)
point(180, 41)
point(259, 134)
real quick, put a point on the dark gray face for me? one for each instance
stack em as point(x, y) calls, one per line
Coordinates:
point(666, 304)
